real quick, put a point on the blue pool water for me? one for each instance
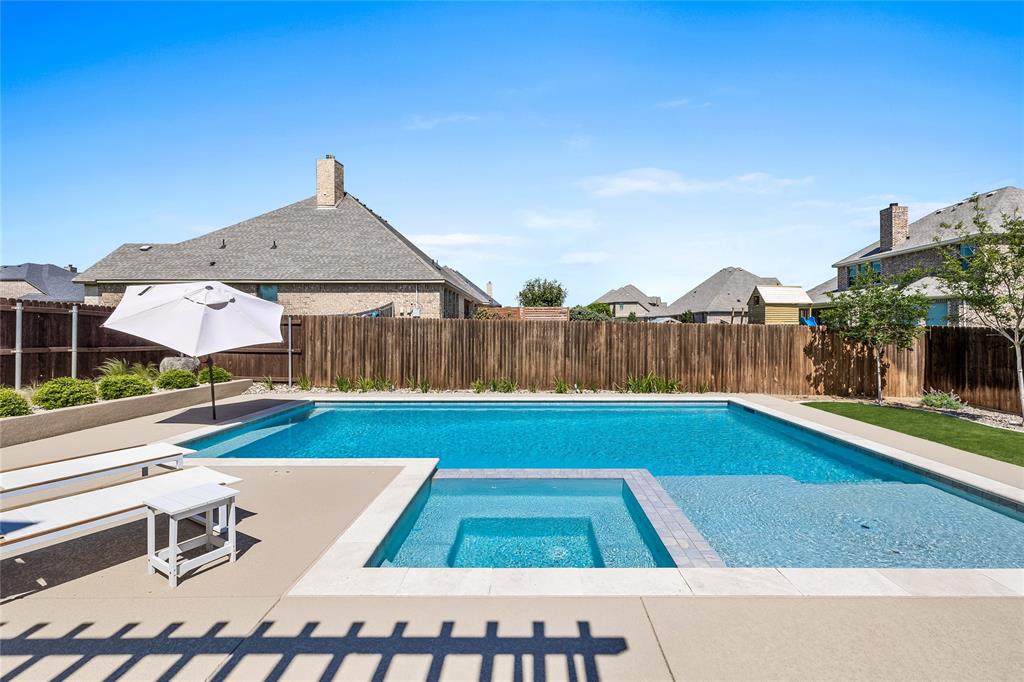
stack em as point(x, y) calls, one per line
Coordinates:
point(763, 493)
point(534, 523)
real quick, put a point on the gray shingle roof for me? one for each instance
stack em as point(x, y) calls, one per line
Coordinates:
point(924, 231)
point(630, 294)
point(727, 289)
point(819, 294)
point(298, 242)
point(52, 280)
point(467, 285)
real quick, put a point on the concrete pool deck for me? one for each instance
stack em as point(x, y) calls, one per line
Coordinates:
point(71, 608)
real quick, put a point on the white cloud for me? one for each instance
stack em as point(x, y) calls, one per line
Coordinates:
point(453, 239)
point(682, 103)
point(559, 220)
point(662, 181)
point(584, 257)
point(418, 122)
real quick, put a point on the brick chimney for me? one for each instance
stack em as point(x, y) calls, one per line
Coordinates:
point(893, 227)
point(330, 182)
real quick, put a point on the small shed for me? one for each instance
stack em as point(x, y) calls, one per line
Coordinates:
point(776, 304)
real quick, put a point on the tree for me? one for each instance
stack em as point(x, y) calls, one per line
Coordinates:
point(877, 312)
point(688, 316)
point(986, 273)
point(542, 293)
point(587, 313)
point(603, 308)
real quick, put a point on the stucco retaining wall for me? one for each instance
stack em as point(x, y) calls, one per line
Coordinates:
point(15, 430)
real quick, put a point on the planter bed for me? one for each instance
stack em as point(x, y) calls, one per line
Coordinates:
point(15, 430)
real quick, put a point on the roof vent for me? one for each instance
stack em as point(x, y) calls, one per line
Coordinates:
point(274, 245)
point(145, 247)
point(990, 194)
point(223, 243)
point(939, 211)
point(213, 262)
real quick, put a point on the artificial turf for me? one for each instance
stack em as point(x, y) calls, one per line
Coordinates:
point(989, 441)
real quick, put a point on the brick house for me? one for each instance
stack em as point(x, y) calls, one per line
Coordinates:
point(720, 299)
point(629, 299)
point(326, 254)
point(903, 246)
point(40, 282)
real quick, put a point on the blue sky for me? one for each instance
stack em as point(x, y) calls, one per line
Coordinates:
point(595, 144)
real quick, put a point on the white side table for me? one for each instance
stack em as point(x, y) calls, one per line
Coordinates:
point(182, 504)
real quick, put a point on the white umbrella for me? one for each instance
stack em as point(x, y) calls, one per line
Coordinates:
point(197, 318)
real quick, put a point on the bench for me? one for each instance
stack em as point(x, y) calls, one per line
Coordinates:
point(79, 469)
point(45, 521)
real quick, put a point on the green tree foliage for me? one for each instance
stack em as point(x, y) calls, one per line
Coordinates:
point(602, 308)
point(988, 276)
point(542, 293)
point(877, 312)
point(587, 313)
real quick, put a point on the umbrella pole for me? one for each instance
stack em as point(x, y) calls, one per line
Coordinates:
point(213, 395)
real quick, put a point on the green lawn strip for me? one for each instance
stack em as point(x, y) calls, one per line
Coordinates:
point(1000, 444)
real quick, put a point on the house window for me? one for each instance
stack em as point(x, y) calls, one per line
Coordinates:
point(622, 306)
point(938, 314)
point(966, 253)
point(877, 267)
point(851, 273)
point(268, 292)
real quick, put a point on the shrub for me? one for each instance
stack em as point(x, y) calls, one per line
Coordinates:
point(176, 378)
point(305, 383)
point(561, 386)
point(343, 384)
point(650, 383)
point(374, 384)
point(123, 386)
point(478, 386)
point(942, 401)
point(220, 375)
point(424, 386)
point(64, 392)
point(267, 382)
point(586, 314)
point(602, 308)
point(114, 367)
point(12, 404)
point(505, 385)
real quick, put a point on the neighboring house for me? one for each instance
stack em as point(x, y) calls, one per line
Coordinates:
point(327, 254)
point(630, 300)
point(903, 246)
point(722, 297)
point(770, 304)
point(40, 282)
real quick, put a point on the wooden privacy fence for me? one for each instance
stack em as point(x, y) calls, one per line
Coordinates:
point(64, 339)
point(787, 360)
point(451, 354)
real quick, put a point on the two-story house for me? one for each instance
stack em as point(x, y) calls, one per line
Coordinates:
point(904, 245)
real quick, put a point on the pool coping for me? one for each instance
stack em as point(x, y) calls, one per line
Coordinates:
point(341, 570)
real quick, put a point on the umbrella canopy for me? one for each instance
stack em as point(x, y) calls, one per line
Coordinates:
point(196, 318)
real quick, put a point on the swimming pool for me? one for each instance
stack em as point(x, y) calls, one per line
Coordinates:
point(763, 492)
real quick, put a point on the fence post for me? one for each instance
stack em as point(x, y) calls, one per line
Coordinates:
point(74, 341)
point(18, 312)
point(289, 350)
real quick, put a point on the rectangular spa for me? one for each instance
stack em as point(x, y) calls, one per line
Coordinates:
point(523, 523)
point(762, 491)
